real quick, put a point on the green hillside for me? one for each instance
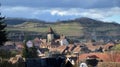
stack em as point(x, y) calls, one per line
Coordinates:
point(70, 29)
point(78, 27)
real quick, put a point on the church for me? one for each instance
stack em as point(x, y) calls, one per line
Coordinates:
point(55, 39)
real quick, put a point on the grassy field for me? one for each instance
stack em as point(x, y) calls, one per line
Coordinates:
point(71, 29)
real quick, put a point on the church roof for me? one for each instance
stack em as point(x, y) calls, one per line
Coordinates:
point(50, 31)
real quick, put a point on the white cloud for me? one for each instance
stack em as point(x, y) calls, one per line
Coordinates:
point(27, 12)
point(100, 14)
point(61, 13)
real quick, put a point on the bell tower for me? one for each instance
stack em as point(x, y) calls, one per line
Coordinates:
point(50, 35)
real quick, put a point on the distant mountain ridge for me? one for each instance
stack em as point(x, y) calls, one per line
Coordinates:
point(80, 27)
point(82, 20)
point(15, 21)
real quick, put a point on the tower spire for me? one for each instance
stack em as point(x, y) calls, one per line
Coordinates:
point(50, 30)
point(50, 35)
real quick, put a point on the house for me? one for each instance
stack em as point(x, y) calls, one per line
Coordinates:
point(8, 47)
point(37, 42)
point(108, 46)
point(19, 45)
point(63, 40)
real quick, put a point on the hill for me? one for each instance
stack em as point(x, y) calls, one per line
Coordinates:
point(80, 27)
point(15, 21)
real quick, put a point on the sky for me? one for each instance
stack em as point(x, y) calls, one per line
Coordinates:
point(54, 10)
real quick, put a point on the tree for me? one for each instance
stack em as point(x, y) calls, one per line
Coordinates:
point(3, 35)
point(32, 52)
point(117, 47)
point(4, 54)
point(29, 52)
point(25, 51)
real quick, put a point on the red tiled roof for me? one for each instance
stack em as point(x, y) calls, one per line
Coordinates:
point(93, 56)
point(70, 47)
point(106, 47)
point(50, 30)
point(61, 48)
point(101, 56)
point(36, 39)
point(93, 48)
point(77, 49)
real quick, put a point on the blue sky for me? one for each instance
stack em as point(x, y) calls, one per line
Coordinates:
point(53, 10)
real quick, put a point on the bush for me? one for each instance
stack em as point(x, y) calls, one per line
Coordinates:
point(5, 54)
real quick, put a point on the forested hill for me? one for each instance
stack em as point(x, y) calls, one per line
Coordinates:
point(15, 21)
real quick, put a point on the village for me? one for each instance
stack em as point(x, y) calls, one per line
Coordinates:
point(57, 51)
point(59, 33)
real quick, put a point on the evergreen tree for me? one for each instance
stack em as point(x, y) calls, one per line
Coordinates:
point(25, 51)
point(29, 52)
point(3, 35)
point(33, 52)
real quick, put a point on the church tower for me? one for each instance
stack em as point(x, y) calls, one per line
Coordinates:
point(50, 35)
